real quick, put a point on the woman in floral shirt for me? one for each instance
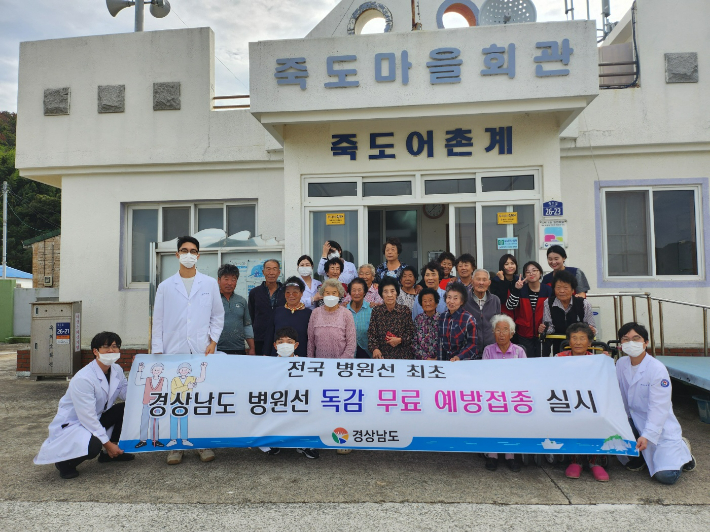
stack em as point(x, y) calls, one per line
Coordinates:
point(426, 338)
point(392, 267)
point(391, 327)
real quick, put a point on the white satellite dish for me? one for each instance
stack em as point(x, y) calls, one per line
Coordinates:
point(494, 12)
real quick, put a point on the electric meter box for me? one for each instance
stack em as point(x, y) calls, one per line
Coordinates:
point(55, 336)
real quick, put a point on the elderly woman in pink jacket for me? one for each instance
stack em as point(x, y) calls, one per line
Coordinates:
point(331, 329)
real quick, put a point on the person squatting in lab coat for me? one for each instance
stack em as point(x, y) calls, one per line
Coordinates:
point(188, 318)
point(646, 390)
point(87, 418)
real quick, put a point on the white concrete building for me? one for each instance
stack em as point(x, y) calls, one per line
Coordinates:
point(426, 135)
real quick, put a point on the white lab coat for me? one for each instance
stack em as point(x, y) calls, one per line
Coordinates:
point(89, 395)
point(647, 400)
point(182, 324)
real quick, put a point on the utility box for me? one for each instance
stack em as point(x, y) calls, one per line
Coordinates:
point(55, 348)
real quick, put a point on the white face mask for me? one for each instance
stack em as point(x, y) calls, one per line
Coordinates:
point(109, 358)
point(188, 260)
point(633, 349)
point(331, 301)
point(285, 350)
point(305, 271)
point(334, 255)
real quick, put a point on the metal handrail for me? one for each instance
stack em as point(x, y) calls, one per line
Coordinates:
point(619, 315)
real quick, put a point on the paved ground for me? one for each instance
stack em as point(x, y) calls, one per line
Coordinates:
point(367, 489)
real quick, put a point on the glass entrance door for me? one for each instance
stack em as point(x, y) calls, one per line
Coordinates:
point(393, 223)
point(476, 231)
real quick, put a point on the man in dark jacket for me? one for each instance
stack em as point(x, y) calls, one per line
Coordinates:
point(482, 306)
point(263, 300)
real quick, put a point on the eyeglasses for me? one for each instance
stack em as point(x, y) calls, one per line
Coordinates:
point(636, 338)
point(113, 347)
point(185, 251)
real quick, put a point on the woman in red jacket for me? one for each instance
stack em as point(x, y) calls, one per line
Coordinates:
point(526, 301)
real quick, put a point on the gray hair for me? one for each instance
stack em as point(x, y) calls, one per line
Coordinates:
point(184, 365)
point(157, 365)
point(331, 283)
point(495, 320)
point(370, 267)
point(488, 274)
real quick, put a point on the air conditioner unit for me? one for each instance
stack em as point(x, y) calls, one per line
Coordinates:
point(48, 281)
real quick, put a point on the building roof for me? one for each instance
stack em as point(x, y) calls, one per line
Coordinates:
point(14, 273)
point(43, 236)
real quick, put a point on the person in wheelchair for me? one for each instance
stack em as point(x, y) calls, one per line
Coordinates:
point(579, 341)
point(580, 337)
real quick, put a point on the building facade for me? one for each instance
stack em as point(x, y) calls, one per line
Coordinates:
point(437, 136)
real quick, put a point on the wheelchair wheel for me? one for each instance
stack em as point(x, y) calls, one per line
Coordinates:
point(525, 459)
point(551, 458)
point(537, 458)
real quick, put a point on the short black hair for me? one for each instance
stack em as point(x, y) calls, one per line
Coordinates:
point(357, 280)
point(103, 339)
point(460, 288)
point(531, 263)
point(393, 241)
point(431, 292)
point(387, 281)
point(335, 245)
point(445, 255)
point(302, 257)
point(286, 332)
point(633, 326)
point(293, 280)
point(563, 276)
point(190, 239)
point(557, 249)
point(227, 269)
point(410, 269)
point(435, 267)
point(580, 326)
point(466, 257)
point(332, 261)
point(504, 259)
point(278, 264)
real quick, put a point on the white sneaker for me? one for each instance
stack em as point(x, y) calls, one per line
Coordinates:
point(187, 443)
point(171, 443)
point(206, 455)
point(174, 457)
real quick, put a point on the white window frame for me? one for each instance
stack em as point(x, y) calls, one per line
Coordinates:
point(362, 228)
point(650, 189)
point(126, 283)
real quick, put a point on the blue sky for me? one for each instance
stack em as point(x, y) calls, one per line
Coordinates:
point(235, 23)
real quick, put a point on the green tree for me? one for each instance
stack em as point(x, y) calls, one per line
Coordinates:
point(33, 208)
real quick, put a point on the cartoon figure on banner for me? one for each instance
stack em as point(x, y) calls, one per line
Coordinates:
point(153, 385)
point(180, 395)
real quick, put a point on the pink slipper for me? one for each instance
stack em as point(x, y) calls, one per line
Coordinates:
point(599, 473)
point(573, 470)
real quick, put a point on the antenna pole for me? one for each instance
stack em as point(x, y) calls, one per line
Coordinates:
point(139, 15)
point(4, 230)
point(569, 8)
point(588, 15)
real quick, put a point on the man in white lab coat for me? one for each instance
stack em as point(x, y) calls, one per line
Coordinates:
point(87, 417)
point(188, 316)
point(646, 390)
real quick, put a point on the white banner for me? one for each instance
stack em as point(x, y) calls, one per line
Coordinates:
point(568, 405)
